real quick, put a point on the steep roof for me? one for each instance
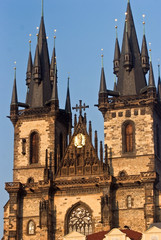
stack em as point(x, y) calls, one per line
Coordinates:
point(102, 81)
point(132, 81)
point(14, 99)
point(68, 104)
point(40, 93)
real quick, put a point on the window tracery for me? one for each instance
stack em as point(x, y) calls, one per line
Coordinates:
point(31, 228)
point(80, 220)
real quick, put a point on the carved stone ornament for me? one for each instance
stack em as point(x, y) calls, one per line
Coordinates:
point(79, 140)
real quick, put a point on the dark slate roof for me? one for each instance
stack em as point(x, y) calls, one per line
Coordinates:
point(130, 82)
point(14, 99)
point(102, 82)
point(117, 51)
point(144, 49)
point(29, 65)
point(151, 82)
point(68, 104)
point(133, 235)
point(40, 93)
point(53, 60)
point(54, 90)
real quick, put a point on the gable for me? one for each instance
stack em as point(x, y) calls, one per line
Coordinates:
point(81, 157)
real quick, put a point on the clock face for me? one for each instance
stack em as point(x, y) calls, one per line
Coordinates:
point(79, 140)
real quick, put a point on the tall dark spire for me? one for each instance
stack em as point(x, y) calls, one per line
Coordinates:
point(68, 104)
point(127, 54)
point(53, 64)
point(54, 97)
point(151, 82)
point(116, 61)
point(14, 99)
point(144, 51)
point(14, 102)
point(131, 78)
point(29, 67)
point(103, 88)
point(37, 67)
point(40, 90)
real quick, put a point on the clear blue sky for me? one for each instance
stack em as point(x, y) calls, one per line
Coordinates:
point(83, 28)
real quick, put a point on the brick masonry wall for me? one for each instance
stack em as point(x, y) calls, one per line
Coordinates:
point(22, 167)
point(140, 161)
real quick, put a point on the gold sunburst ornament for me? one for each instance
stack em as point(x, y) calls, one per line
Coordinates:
point(79, 140)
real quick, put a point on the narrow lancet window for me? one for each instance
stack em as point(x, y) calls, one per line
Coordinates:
point(31, 228)
point(129, 202)
point(34, 147)
point(129, 138)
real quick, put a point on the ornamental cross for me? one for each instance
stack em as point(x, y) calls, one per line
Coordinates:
point(80, 107)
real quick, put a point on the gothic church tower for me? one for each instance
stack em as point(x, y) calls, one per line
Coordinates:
point(60, 184)
point(62, 181)
point(132, 131)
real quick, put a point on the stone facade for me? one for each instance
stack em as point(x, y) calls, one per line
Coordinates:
point(60, 182)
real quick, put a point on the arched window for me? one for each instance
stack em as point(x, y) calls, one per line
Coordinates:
point(34, 147)
point(31, 228)
point(30, 180)
point(129, 202)
point(80, 220)
point(128, 137)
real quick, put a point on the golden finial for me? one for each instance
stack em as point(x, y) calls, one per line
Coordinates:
point(30, 42)
point(126, 20)
point(47, 37)
point(143, 23)
point(102, 56)
point(54, 33)
point(54, 36)
point(143, 18)
point(37, 34)
point(15, 70)
point(15, 65)
point(150, 50)
point(116, 26)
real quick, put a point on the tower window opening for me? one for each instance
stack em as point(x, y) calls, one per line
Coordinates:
point(129, 202)
point(23, 146)
point(34, 147)
point(31, 228)
point(129, 138)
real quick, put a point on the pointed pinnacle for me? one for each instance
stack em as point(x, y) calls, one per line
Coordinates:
point(14, 100)
point(68, 104)
point(151, 76)
point(102, 82)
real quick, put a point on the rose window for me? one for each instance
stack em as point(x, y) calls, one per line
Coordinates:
point(80, 220)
